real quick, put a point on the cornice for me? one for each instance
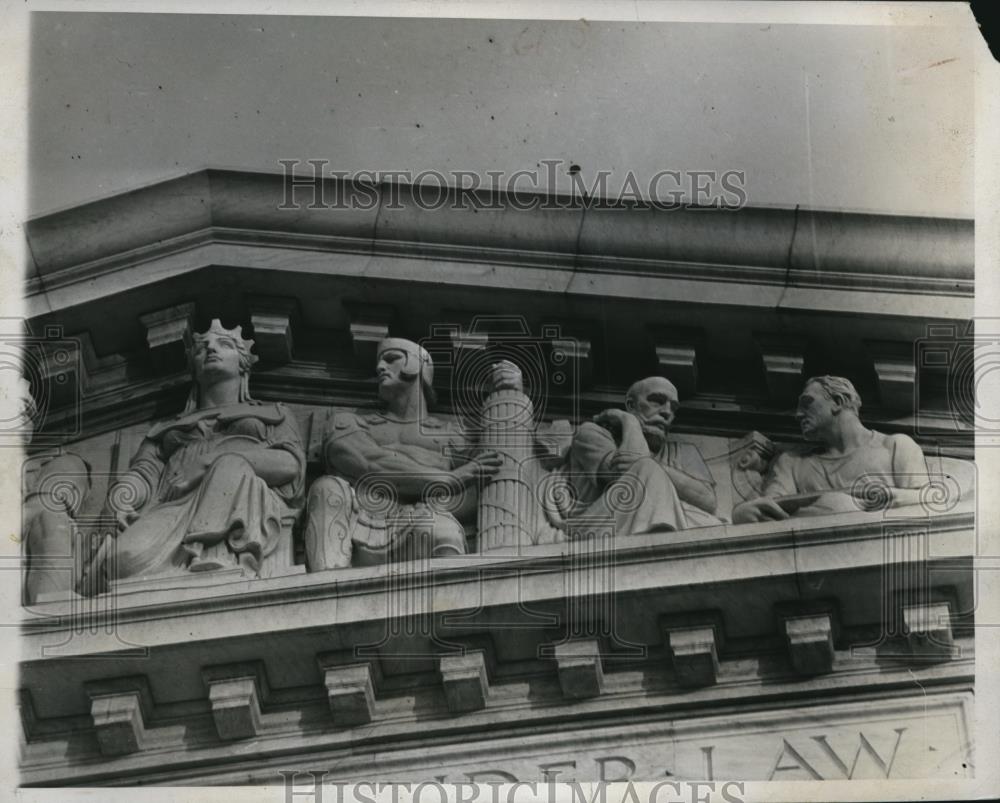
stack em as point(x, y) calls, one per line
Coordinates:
point(769, 247)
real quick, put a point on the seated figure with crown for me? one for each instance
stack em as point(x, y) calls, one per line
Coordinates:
point(214, 487)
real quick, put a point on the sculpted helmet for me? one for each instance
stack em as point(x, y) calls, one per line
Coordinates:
point(417, 363)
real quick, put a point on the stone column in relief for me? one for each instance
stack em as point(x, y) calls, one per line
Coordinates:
point(506, 508)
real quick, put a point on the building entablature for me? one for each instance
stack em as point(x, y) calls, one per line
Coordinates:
point(424, 484)
point(735, 306)
point(691, 623)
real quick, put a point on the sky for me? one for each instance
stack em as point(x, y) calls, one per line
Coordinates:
point(865, 118)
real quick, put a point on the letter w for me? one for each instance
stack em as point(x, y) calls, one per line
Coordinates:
point(866, 746)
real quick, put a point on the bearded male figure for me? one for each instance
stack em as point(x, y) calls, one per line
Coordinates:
point(624, 467)
point(400, 484)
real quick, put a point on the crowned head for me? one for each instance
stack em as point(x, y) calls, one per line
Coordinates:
point(219, 354)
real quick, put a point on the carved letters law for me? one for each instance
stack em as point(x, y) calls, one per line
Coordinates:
point(843, 742)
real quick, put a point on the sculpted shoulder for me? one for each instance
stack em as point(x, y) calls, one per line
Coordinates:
point(345, 422)
point(894, 439)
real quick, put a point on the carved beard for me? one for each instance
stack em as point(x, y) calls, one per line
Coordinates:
point(655, 438)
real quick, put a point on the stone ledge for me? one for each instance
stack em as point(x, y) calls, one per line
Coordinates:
point(826, 535)
point(170, 746)
point(745, 576)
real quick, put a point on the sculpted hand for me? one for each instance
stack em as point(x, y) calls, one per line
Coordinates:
point(620, 462)
point(761, 509)
point(612, 416)
point(128, 493)
point(613, 420)
point(187, 478)
point(124, 518)
point(506, 376)
point(484, 465)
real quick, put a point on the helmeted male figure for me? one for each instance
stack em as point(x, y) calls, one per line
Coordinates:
point(623, 466)
point(399, 483)
point(851, 468)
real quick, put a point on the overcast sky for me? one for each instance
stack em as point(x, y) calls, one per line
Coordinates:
point(829, 116)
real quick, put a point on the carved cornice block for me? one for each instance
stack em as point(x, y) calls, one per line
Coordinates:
point(350, 689)
point(928, 630)
point(679, 364)
point(272, 327)
point(676, 354)
point(168, 332)
point(783, 357)
point(369, 326)
point(810, 643)
point(695, 652)
point(235, 693)
point(119, 708)
point(896, 372)
point(578, 663)
point(465, 680)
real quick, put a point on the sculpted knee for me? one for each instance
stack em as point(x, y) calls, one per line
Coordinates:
point(327, 531)
point(333, 492)
point(646, 476)
point(230, 462)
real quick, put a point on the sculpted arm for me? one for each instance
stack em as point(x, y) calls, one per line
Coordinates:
point(282, 460)
point(274, 466)
point(780, 481)
point(909, 470)
point(353, 453)
point(614, 441)
point(593, 453)
point(692, 479)
point(133, 490)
